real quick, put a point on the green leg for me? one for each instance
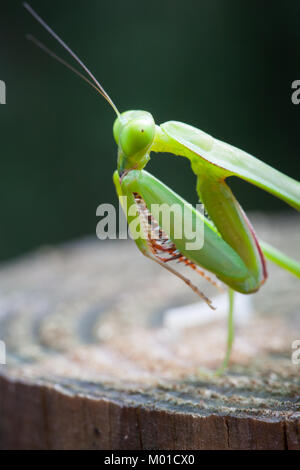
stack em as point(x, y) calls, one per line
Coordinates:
point(230, 333)
point(280, 258)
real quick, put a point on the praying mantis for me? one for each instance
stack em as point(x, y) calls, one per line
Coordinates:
point(231, 249)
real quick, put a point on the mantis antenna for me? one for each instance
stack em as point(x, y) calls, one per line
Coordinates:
point(62, 61)
point(97, 85)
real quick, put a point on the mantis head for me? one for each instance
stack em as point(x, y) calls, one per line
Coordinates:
point(134, 133)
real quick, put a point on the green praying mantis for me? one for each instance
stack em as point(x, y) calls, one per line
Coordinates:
point(231, 250)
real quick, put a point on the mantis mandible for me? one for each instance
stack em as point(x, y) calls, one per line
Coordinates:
point(231, 250)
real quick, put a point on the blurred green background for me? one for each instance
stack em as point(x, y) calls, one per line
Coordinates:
point(223, 66)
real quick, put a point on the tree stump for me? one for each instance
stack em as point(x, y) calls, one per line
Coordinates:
point(92, 362)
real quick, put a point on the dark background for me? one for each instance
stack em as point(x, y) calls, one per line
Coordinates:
point(223, 66)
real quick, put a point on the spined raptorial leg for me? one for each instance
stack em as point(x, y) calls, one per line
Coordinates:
point(163, 249)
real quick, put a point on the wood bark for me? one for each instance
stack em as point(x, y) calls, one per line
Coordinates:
point(92, 362)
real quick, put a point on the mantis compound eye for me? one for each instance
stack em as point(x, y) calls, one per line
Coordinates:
point(137, 136)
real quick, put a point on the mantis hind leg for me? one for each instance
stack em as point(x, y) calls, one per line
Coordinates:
point(230, 333)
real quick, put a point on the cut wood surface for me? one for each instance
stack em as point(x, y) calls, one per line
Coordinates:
point(92, 362)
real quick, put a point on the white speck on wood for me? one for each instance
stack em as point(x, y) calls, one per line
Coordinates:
point(198, 314)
